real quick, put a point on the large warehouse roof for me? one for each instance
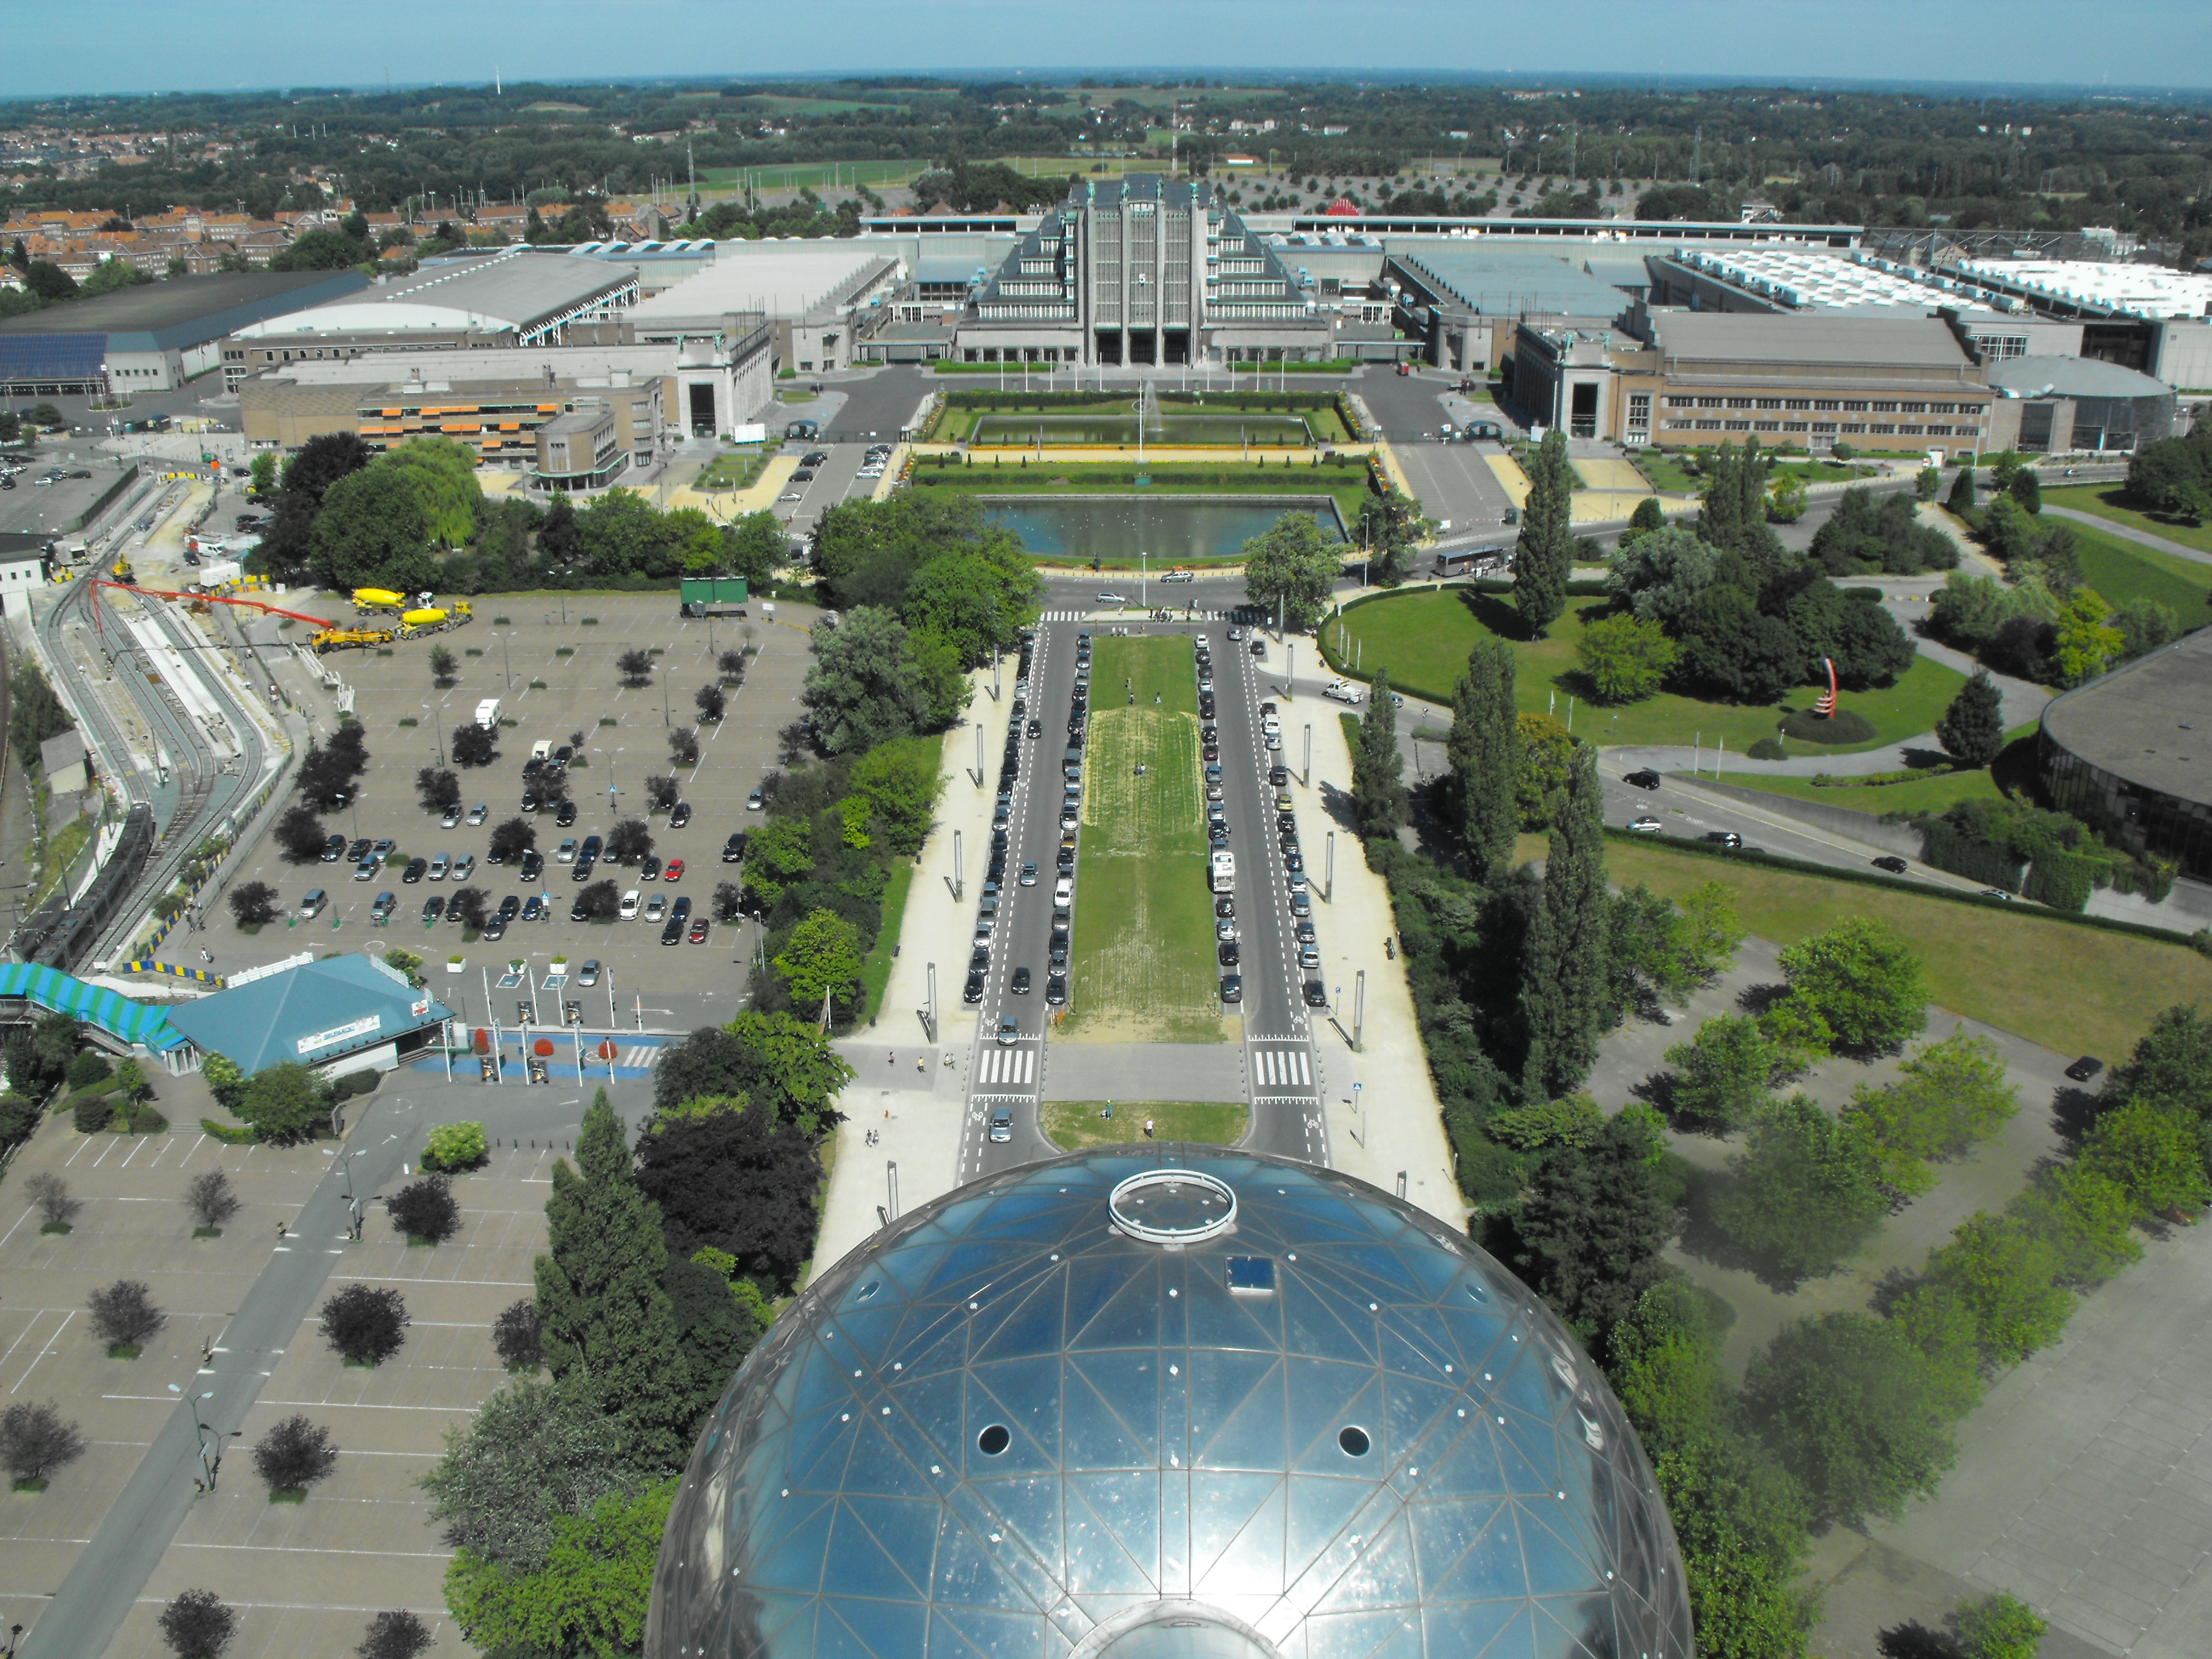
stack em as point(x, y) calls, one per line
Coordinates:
point(2138, 722)
point(1509, 282)
point(185, 310)
point(783, 279)
point(517, 292)
point(2122, 290)
point(312, 1013)
point(2073, 377)
point(1807, 338)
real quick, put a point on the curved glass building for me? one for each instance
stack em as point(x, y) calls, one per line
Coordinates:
point(1170, 1403)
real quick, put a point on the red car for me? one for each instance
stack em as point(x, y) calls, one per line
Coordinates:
point(674, 872)
point(698, 930)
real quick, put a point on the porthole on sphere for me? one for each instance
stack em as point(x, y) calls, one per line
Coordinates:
point(1353, 1440)
point(993, 1440)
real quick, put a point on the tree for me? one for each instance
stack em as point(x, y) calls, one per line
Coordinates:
point(1594, 1225)
point(2086, 641)
point(1972, 728)
point(36, 1439)
point(1562, 971)
point(732, 1177)
point(1378, 786)
point(364, 1325)
point(589, 1597)
point(1721, 1075)
point(1961, 500)
point(300, 835)
point(224, 1081)
point(712, 702)
point(902, 784)
point(1731, 646)
point(661, 793)
point(821, 957)
point(629, 840)
point(1484, 750)
point(1862, 979)
point(326, 778)
point(1544, 756)
point(425, 1210)
point(1926, 482)
point(2026, 488)
point(2154, 1152)
point(512, 839)
point(515, 1336)
point(1805, 1195)
point(123, 1315)
point(1390, 526)
point(469, 904)
point(1291, 568)
point(209, 1197)
point(1545, 556)
point(731, 665)
point(1997, 1626)
point(866, 685)
point(1648, 516)
point(373, 531)
point(442, 664)
point(1626, 658)
point(1856, 1410)
point(728, 901)
point(473, 744)
point(397, 1634)
point(535, 1452)
point(771, 1058)
point(197, 1624)
point(294, 1455)
point(636, 667)
point(682, 746)
point(755, 545)
point(439, 788)
point(2144, 624)
point(1948, 1097)
point(253, 905)
point(263, 473)
point(285, 1102)
point(57, 1206)
point(603, 1316)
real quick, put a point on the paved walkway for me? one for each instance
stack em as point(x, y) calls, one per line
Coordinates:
point(2128, 532)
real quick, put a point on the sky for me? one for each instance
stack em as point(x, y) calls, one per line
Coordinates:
point(163, 46)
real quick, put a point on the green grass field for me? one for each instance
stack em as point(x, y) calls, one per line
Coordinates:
point(2111, 502)
point(1071, 1125)
point(1143, 967)
point(1423, 639)
point(876, 971)
point(735, 470)
point(2071, 989)
point(1345, 485)
point(2121, 571)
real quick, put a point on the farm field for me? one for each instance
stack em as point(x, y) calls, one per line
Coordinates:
point(1143, 955)
point(1423, 639)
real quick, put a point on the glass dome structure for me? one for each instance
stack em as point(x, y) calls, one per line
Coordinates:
point(1174, 1402)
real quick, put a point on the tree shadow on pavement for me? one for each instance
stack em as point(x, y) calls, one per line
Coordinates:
point(1914, 1640)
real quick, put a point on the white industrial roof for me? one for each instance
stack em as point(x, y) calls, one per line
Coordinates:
point(1809, 280)
point(519, 290)
point(780, 278)
point(2151, 291)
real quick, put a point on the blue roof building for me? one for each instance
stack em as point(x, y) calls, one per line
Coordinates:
point(342, 1008)
point(127, 1022)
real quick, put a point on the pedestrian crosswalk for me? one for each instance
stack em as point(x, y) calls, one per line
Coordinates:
point(1001, 1067)
point(1282, 1068)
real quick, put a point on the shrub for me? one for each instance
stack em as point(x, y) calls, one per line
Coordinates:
point(35, 1439)
point(514, 1335)
point(456, 1147)
point(1997, 1626)
point(87, 1067)
point(1804, 1196)
point(224, 1081)
point(1846, 726)
point(294, 1455)
point(198, 1624)
point(93, 1113)
point(364, 1324)
point(210, 1198)
point(2064, 880)
point(124, 1316)
point(395, 1635)
point(1770, 749)
point(425, 1211)
point(56, 1206)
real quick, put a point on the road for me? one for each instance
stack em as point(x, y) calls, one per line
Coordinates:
point(1277, 1038)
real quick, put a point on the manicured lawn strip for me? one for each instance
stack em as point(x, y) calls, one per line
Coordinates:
point(1934, 794)
point(1143, 958)
point(1075, 1124)
point(2111, 502)
point(2070, 988)
point(876, 971)
point(2121, 571)
point(1345, 485)
point(1423, 639)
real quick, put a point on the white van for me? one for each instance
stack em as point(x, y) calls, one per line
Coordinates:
point(1225, 872)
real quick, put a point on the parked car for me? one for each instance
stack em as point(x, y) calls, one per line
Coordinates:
point(627, 910)
point(681, 815)
point(534, 865)
point(655, 908)
point(755, 801)
point(588, 975)
point(312, 906)
point(450, 818)
point(385, 905)
point(465, 867)
point(334, 849)
point(733, 850)
point(674, 872)
point(416, 868)
point(699, 929)
point(479, 813)
point(434, 907)
point(439, 868)
point(1316, 994)
point(1232, 988)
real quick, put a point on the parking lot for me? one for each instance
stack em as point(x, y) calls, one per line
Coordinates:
point(551, 661)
